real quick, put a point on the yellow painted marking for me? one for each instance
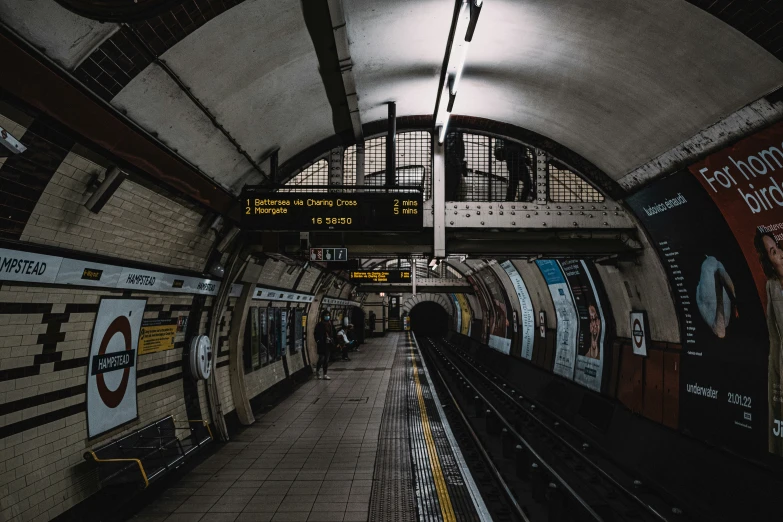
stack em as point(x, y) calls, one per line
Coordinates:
point(446, 509)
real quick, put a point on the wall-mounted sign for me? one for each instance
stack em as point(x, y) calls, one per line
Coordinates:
point(526, 309)
point(269, 294)
point(339, 302)
point(567, 320)
point(370, 211)
point(29, 267)
point(157, 335)
point(111, 373)
point(201, 357)
point(724, 330)
point(380, 276)
point(639, 333)
point(328, 254)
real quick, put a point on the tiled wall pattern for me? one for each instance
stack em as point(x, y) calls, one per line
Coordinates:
point(279, 274)
point(221, 349)
point(14, 129)
point(307, 282)
point(45, 335)
point(137, 223)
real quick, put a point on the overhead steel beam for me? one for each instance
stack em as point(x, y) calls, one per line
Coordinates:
point(521, 215)
point(45, 86)
point(421, 289)
point(342, 45)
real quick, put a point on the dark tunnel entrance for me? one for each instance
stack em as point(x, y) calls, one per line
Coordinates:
point(429, 319)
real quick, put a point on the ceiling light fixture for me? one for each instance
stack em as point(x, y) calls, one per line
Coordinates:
point(467, 17)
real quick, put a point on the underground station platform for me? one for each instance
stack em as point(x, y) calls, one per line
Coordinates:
point(372, 443)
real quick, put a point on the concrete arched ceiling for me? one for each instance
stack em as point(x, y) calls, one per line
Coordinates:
point(616, 81)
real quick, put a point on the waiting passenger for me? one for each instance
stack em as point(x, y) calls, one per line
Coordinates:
point(344, 343)
point(324, 340)
point(351, 333)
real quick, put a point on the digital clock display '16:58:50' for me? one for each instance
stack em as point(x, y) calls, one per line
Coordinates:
point(332, 221)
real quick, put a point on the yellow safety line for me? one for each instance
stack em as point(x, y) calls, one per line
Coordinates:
point(446, 509)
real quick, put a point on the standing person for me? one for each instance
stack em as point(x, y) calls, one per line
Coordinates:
point(324, 339)
point(371, 320)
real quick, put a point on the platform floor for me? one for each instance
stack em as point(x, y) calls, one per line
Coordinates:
point(314, 457)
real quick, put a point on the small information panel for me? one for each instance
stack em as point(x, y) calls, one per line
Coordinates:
point(328, 254)
point(380, 276)
point(263, 209)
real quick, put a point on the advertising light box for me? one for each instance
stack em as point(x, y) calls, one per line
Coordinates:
point(371, 211)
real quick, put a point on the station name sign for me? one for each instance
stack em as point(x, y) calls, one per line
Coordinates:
point(368, 211)
point(380, 276)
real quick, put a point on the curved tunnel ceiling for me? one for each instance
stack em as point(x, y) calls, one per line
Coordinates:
point(618, 82)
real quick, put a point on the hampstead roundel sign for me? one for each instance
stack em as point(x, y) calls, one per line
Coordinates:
point(639, 333)
point(111, 377)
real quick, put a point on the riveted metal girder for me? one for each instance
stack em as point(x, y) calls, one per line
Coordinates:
point(493, 214)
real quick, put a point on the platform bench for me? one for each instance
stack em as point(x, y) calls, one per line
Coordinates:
point(147, 454)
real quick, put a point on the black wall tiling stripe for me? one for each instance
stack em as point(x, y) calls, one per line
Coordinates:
point(19, 373)
point(25, 308)
point(69, 364)
point(158, 369)
point(48, 357)
point(159, 382)
point(43, 398)
point(40, 420)
point(153, 308)
point(223, 363)
point(24, 177)
point(81, 308)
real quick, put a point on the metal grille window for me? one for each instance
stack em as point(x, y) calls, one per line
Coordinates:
point(414, 161)
point(315, 174)
point(567, 187)
point(482, 168)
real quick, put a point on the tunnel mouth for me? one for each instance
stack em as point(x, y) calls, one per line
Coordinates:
point(429, 319)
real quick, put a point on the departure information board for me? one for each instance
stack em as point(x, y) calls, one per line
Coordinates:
point(380, 276)
point(266, 210)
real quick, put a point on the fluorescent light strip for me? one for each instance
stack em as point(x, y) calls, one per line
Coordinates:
point(457, 56)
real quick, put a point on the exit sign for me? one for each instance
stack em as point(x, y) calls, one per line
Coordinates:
point(328, 254)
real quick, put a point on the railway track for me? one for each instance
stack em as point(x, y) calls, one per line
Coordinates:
point(542, 467)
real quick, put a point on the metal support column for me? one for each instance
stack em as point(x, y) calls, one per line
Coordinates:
point(541, 177)
point(273, 174)
point(391, 146)
point(360, 163)
point(439, 199)
point(336, 166)
point(413, 276)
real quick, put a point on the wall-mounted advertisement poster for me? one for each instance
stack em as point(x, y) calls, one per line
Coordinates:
point(111, 370)
point(590, 353)
point(567, 321)
point(746, 183)
point(527, 318)
point(466, 314)
point(457, 313)
point(725, 344)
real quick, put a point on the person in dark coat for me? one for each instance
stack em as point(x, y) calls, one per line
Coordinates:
point(324, 340)
point(371, 320)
